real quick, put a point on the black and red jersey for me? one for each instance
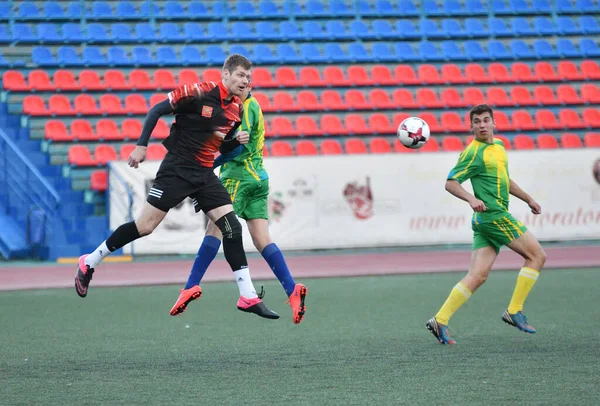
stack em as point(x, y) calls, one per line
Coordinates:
point(203, 119)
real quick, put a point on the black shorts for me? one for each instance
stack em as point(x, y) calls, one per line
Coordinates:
point(177, 179)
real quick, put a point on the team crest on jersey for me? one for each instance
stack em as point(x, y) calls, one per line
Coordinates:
point(207, 111)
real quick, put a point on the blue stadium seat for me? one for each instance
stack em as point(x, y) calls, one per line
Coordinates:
point(48, 32)
point(407, 29)
point(334, 53)
point(140, 56)
point(174, 10)
point(475, 7)
point(269, 9)
point(544, 26)
point(405, 52)
point(190, 55)
point(474, 28)
point(431, 8)
point(313, 31)
point(315, 8)
point(452, 28)
point(383, 29)
point(23, 33)
point(430, 29)
point(543, 49)
point(145, 33)
point(566, 49)
point(566, 7)
point(358, 53)
point(360, 29)
point(289, 31)
point(149, 9)
point(288, 54)
point(101, 10)
point(93, 56)
point(335, 30)
point(589, 48)
point(521, 50)
point(198, 11)
point(339, 8)
point(429, 52)
point(117, 56)
point(68, 56)
point(42, 56)
point(96, 33)
point(364, 8)
point(587, 6)
point(121, 32)
point(266, 31)
point(5, 37)
point(28, 10)
point(382, 52)
point(4, 11)
point(384, 8)
point(567, 26)
point(474, 51)
point(53, 11)
point(244, 9)
point(542, 6)
point(242, 31)
point(453, 8)
point(521, 7)
point(126, 10)
point(262, 54)
point(218, 32)
point(194, 32)
point(497, 51)
point(215, 55)
point(498, 28)
point(311, 54)
point(169, 32)
point(589, 25)
point(166, 56)
point(74, 10)
point(521, 27)
point(500, 7)
point(240, 49)
point(452, 52)
point(407, 8)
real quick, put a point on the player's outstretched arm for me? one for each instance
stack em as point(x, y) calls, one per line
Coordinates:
point(138, 155)
point(516, 191)
point(455, 188)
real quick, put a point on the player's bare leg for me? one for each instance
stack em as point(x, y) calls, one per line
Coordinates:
point(530, 249)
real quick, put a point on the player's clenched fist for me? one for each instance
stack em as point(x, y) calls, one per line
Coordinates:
point(243, 137)
point(137, 156)
point(477, 205)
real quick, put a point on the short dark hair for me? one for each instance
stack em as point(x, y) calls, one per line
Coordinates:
point(235, 60)
point(480, 109)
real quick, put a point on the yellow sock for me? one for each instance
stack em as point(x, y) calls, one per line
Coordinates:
point(525, 282)
point(458, 297)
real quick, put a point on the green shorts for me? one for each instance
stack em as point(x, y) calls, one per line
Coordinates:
point(249, 197)
point(497, 233)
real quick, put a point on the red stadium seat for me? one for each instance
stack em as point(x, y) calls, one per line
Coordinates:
point(140, 80)
point(111, 104)
point(14, 80)
point(380, 99)
point(591, 118)
point(452, 122)
point(356, 124)
point(590, 70)
point(379, 123)
point(107, 130)
point(567, 95)
point(307, 126)
point(398, 147)
point(473, 96)
point(156, 152)
point(355, 146)
point(79, 155)
point(450, 97)
point(592, 140)
point(452, 74)
point(568, 71)
point(521, 97)
point(570, 140)
point(60, 105)
point(546, 120)
point(187, 77)
point(546, 141)
point(499, 73)
point(332, 100)
point(261, 77)
point(331, 147)
point(405, 75)
point(82, 130)
point(433, 122)
point(164, 80)
point(156, 98)
point(496, 96)
point(333, 76)
point(431, 146)
point(85, 104)
point(427, 98)
point(379, 145)
point(40, 81)
point(90, 80)
point(590, 93)
point(283, 101)
point(56, 131)
point(105, 154)
point(115, 80)
point(570, 119)
point(161, 131)
point(211, 75)
point(306, 147)
point(135, 104)
point(287, 77)
point(281, 148)
point(404, 99)
point(452, 143)
point(266, 151)
point(264, 102)
point(521, 72)
point(125, 151)
point(544, 95)
point(332, 125)
point(99, 181)
point(382, 76)
point(311, 76)
point(131, 129)
point(399, 118)
point(505, 140)
point(545, 72)
point(522, 141)
point(502, 122)
point(358, 76)
point(65, 80)
point(283, 127)
point(355, 99)
point(476, 73)
point(429, 75)
point(307, 100)
point(34, 106)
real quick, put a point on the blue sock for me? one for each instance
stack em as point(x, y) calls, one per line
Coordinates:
point(206, 253)
point(274, 258)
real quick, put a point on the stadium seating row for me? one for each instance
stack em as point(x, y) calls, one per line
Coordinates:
point(308, 76)
point(126, 10)
point(329, 100)
point(314, 53)
point(333, 125)
point(311, 30)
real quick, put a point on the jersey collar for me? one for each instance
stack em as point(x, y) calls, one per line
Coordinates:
point(223, 93)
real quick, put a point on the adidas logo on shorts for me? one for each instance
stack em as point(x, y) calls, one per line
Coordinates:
point(155, 193)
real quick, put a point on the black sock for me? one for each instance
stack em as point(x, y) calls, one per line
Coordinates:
point(233, 245)
point(123, 235)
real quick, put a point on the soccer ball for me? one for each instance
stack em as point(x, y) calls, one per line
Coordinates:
point(413, 132)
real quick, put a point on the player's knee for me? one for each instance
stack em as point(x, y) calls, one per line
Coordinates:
point(229, 225)
point(540, 258)
point(144, 227)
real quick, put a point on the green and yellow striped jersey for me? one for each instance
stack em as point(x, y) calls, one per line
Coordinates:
point(249, 164)
point(486, 165)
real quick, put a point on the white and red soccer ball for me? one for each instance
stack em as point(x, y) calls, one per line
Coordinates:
point(413, 132)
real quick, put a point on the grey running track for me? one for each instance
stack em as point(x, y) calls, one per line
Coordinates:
point(302, 267)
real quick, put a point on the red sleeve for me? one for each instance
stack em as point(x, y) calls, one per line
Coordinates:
point(186, 93)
